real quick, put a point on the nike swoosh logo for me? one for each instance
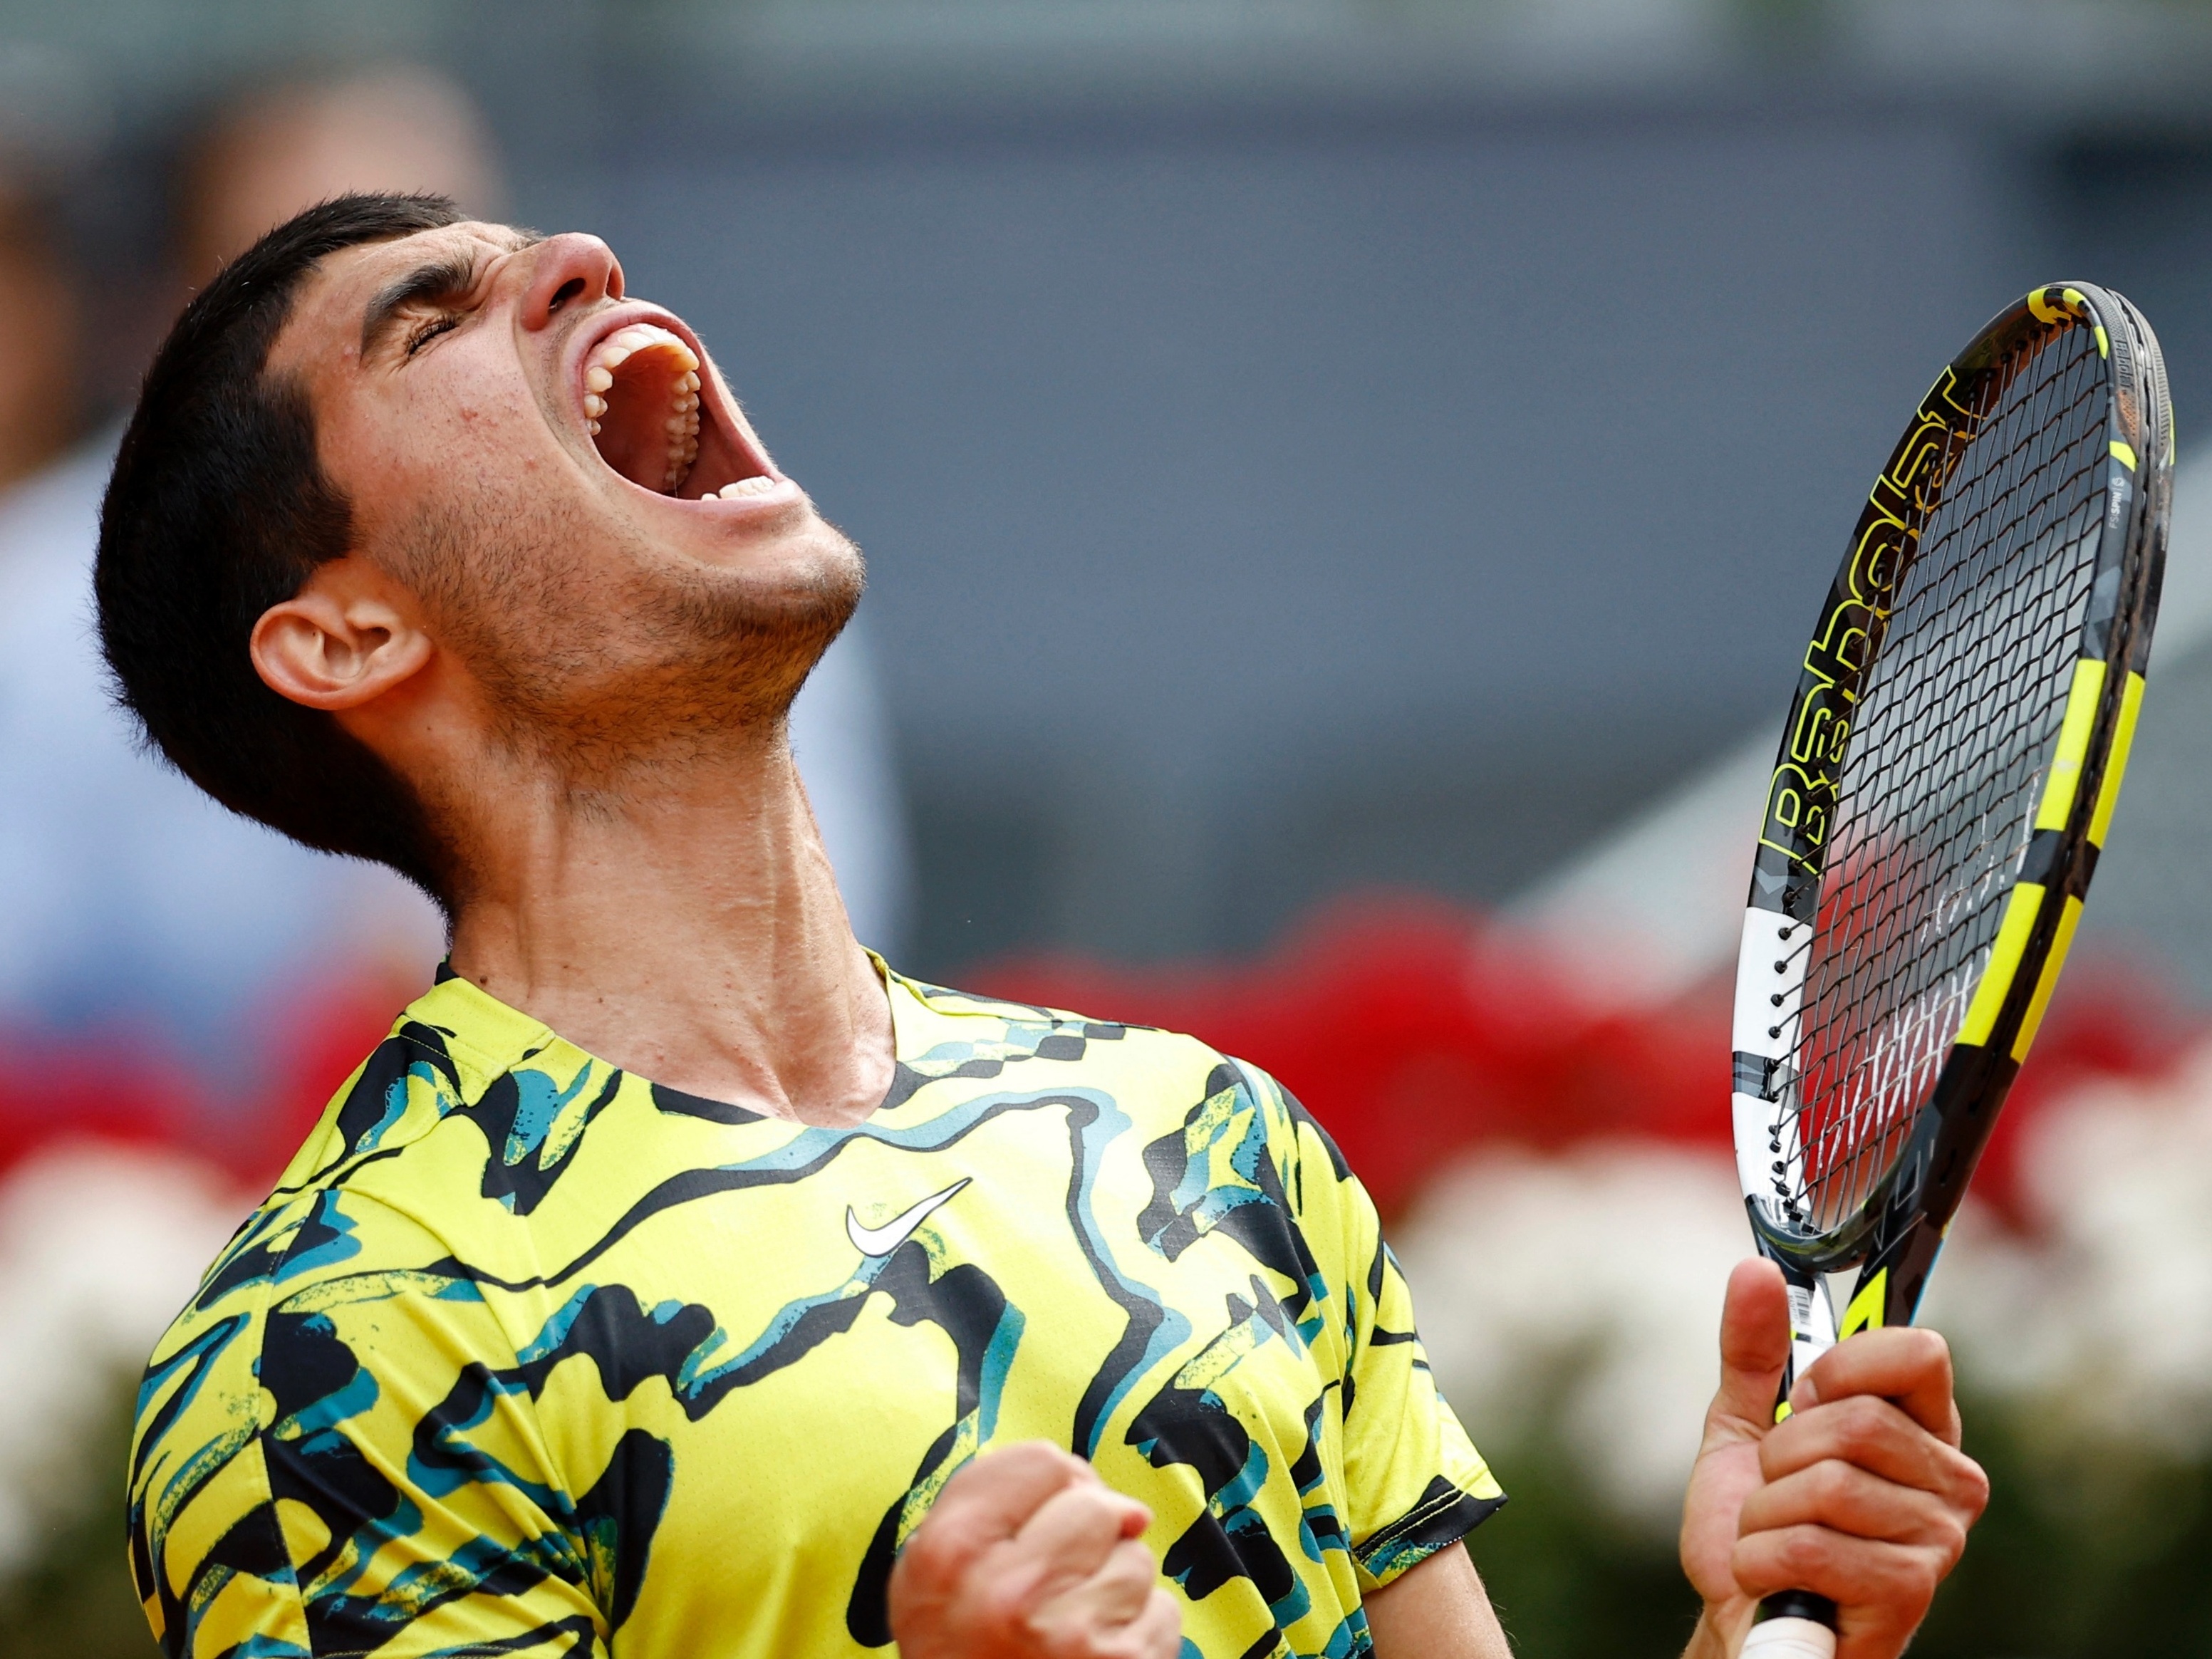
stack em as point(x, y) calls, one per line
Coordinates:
point(881, 1241)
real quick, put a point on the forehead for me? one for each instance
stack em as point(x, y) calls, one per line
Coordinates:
point(326, 314)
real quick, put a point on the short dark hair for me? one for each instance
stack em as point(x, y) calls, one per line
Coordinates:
point(217, 509)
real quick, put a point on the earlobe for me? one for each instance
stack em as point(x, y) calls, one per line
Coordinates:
point(340, 642)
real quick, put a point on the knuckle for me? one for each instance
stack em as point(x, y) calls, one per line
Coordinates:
point(1800, 1551)
point(1025, 1460)
point(1950, 1541)
point(1832, 1480)
point(927, 1550)
point(1863, 1423)
point(1004, 1602)
point(1972, 1492)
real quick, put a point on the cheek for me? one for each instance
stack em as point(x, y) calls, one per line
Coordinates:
point(474, 405)
point(472, 462)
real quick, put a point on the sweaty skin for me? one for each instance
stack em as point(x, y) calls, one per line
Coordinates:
point(584, 680)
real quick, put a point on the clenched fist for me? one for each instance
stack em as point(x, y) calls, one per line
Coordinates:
point(1027, 1555)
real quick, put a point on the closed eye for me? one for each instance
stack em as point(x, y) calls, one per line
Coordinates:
point(423, 333)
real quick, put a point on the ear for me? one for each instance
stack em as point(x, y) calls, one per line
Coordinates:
point(350, 635)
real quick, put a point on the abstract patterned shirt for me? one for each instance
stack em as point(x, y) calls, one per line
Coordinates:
point(527, 1355)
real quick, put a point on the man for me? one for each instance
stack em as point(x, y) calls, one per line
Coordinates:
point(653, 1289)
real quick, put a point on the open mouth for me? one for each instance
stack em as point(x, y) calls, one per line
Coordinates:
point(641, 398)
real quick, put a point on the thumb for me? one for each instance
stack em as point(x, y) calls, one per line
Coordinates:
point(1754, 1348)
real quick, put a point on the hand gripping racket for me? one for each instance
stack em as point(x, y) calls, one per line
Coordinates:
point(1947, 771)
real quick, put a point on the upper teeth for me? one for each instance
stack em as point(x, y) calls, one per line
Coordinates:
point(682, 419)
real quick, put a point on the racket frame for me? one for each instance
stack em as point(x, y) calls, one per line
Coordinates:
point(1895, 1234)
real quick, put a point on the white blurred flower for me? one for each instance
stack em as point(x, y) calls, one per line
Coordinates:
point(100, 1246)
point(2104, 1316)
point(1582, 1293)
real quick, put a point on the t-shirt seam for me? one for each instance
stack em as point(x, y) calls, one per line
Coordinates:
point(265, 1302)
point(268, 1492)
point(491, 1068)
point(500, 1324)
point(1365, 1552)
point(513, 1349)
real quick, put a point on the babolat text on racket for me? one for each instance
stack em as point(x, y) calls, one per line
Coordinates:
point(1947, 775)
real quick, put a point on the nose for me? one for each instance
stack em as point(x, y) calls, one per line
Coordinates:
point(572, 270)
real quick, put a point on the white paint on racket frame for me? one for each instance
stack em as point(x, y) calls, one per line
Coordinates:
point(1755, 1156)
point(1812, 1324)
point(1789, 1639)
point(1769, 965)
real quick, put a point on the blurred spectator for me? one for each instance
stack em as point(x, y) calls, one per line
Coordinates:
point(128, 900)
point(39, 411)
point(268, 154)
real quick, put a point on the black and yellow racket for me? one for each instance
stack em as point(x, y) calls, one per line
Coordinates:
point(1948, 772)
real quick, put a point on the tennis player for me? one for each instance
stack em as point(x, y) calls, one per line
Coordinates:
point(676, 1281)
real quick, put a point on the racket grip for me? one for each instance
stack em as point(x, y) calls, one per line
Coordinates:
point(1793, 1624)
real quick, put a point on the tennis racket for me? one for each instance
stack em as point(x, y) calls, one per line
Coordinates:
point(1948, 772)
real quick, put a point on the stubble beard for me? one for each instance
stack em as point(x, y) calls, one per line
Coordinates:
point(616, 665)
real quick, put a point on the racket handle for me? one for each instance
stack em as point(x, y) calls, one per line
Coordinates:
point(1793, 1624)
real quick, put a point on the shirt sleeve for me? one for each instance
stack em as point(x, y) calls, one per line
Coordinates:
point(1415, 1481)
point(290, 1502)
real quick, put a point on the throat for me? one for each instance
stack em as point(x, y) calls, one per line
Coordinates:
point(699, 941)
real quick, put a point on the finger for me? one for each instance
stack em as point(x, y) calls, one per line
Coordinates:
point(997, 1493)
point(1904, 1362)
point(1870, 1581)
point(1754, 1346)
point(1120, 1590)
point(1072, 1534)
point(1875, 1436)
point(1154, 1633)
point(1851, 1501)
point(1116, 1594)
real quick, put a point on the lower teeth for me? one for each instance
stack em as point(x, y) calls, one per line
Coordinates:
point(759, 486)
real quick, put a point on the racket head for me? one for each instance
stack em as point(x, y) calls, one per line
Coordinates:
point(1947, 775)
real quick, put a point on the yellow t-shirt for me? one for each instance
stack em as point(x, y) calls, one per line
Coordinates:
point(529, 1356)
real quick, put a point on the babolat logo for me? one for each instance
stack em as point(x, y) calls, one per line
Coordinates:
point(1800, 799)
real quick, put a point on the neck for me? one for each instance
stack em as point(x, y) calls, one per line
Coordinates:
point(690, 931)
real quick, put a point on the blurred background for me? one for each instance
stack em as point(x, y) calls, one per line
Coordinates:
point(1344, 482)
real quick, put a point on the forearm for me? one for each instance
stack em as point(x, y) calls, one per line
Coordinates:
point(1439, 1610)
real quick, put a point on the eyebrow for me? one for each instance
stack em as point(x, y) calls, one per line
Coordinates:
point(439, 279)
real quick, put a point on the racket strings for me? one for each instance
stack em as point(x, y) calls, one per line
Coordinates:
point(1951, 739)
point(1883, 1083)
